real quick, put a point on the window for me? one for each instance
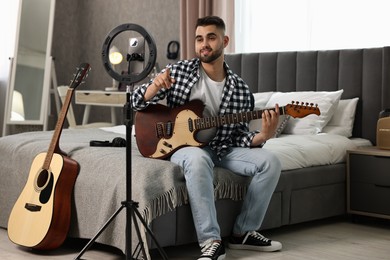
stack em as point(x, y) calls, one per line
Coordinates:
point(285, 25)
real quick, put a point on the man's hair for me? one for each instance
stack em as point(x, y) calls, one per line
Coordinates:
point(211, 20)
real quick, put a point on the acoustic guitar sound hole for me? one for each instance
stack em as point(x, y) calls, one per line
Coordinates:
point(42, 178)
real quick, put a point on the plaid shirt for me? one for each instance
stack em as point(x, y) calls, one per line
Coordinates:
point(236, 97)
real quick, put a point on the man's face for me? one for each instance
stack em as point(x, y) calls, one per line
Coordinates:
point(209, 43)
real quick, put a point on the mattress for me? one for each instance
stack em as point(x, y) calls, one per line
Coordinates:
point(299, 151)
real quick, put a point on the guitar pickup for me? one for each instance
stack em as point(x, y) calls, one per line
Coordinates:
point(32, 207)
point(159, 130)
point(190, 125)
point(164, 130)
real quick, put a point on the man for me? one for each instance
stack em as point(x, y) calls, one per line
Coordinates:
point(209, 79)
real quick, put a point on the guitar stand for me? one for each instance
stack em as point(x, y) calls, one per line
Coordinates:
point(132, 212)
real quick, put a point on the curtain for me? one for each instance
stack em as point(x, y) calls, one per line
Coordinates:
point(285, 25)
point(191, 10)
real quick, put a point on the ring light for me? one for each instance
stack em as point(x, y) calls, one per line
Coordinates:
point(129, 79)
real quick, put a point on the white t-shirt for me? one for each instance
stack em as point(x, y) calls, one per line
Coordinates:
point(210, 92)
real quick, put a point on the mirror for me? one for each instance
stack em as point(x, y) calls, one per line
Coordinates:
point(28, 92)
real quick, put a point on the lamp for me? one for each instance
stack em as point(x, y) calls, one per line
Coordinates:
point(17, 107)
point(115, 58)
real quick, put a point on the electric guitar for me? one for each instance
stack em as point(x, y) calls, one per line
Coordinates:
point(160, 130)
point(40, 218)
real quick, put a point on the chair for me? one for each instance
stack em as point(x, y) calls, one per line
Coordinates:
point(62, 91)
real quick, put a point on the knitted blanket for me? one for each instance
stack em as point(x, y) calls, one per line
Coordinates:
point(157, 185)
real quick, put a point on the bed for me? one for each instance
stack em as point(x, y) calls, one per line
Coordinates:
point(307, 190)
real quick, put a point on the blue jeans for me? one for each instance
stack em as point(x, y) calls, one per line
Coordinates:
point(198, 164)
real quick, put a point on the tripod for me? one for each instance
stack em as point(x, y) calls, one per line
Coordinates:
point(132, 212)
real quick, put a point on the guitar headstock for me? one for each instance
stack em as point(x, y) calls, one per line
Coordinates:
point(81, 74)
point(301, 109)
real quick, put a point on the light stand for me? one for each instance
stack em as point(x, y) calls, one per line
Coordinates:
point(132, 212)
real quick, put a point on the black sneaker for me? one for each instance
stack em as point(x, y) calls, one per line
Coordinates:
point(254, 241)
point(215, 250)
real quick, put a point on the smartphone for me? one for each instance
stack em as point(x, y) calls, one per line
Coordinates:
point(136, 57)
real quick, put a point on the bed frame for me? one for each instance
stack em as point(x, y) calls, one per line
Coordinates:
point(310, 193)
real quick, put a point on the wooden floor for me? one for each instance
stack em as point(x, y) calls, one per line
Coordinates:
point(327, 239)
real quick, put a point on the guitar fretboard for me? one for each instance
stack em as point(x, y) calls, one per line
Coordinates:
point(54, 144)
point(216, 121)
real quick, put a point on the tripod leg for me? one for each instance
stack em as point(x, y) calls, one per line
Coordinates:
point(138, 214)
point(98, 233)
point(140, 247)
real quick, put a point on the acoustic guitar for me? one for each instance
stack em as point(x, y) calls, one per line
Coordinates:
point(40, 218)
point(160, 130)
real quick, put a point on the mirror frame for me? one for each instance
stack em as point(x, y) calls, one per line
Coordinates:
point(43, 117)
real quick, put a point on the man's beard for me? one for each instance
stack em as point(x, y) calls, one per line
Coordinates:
point(214, 55)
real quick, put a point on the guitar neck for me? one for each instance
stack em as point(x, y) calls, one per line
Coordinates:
point(55, 140)
point(210, 122)
point(81, 73)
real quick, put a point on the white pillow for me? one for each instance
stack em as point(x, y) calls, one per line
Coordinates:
point(343, 118)
point(327, 102)
point(261, 99)
point(255, 125)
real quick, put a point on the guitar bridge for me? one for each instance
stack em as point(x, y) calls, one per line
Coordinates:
point(32, 207)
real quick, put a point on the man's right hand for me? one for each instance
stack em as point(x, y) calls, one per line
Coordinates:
point(162, 80)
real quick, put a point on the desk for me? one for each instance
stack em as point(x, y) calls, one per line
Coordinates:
point(90, 98)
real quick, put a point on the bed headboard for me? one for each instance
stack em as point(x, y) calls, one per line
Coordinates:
point(363, 73)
